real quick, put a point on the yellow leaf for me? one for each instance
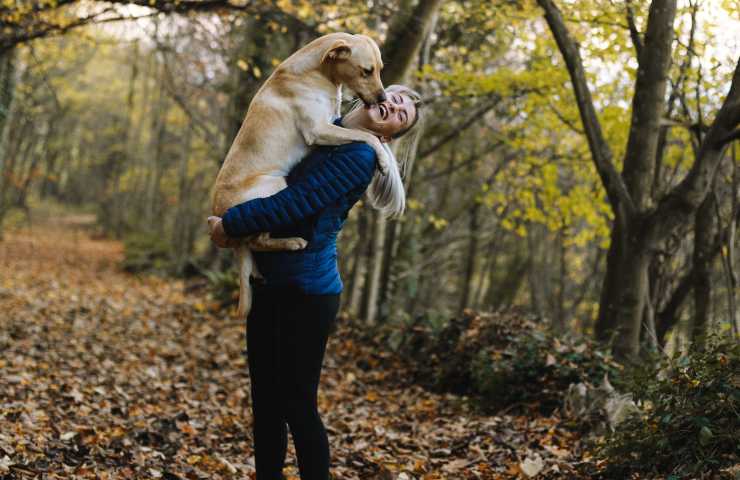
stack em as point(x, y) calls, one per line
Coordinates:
point(438, 223)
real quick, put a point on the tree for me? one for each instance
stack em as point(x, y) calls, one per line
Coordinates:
point(27, 20)
point(639, 225)
point(7, 91)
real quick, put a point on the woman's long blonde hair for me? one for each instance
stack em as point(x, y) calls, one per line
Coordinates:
point(387, 192)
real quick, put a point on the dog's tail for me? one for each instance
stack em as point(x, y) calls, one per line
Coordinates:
point(246, 264)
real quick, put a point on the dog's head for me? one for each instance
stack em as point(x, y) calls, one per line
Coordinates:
point(355, 62)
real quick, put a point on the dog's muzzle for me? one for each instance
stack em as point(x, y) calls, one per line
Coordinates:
point(374, 100)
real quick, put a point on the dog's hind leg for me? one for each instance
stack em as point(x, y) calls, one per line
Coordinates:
point(265, 243)
point(264, 186)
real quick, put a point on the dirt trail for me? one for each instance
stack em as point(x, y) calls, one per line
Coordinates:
point(108, 375)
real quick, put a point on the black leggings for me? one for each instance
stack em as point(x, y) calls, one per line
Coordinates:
point(287, 333)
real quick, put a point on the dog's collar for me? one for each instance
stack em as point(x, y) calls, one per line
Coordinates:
point(338, 122)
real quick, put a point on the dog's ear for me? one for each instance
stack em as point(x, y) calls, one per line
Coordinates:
point(338, 52)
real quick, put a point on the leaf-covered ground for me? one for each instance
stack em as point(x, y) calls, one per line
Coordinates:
point(108, 375)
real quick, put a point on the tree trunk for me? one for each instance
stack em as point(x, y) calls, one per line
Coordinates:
point(487, 270)
point(606, 323)
point(7, 86)
point(560, 322)
point(639, 167)
point(369, 257)
point(704, 232)
point(184, 214)
point(370, 309)
point(7, 94)
point(584, 291)
point(632, 291)
point(729, 258)
point(503, 293)
point(538, 274)
point(123, 204)
point(467, 287)
point(669, 316)
point(152, 204)
point(406, 34)
point(358, 266)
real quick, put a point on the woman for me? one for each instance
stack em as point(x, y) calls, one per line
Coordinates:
point(296, 302)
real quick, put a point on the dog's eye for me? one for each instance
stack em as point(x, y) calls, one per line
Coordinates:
point(366, 72)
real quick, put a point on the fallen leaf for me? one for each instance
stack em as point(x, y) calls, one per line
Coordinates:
point(532, 466)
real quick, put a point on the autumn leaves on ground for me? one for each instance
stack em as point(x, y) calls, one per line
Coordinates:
point(109, 375)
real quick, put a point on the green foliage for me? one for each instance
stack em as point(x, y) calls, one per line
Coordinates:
point(12, 218)
point(146, 252)
point(690, 421)
point(503, 360)
point(533, 365)
point(224, 285)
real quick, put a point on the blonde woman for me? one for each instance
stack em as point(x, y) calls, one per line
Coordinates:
point(297, 299)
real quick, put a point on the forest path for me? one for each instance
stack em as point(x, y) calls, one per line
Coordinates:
point(104, 374)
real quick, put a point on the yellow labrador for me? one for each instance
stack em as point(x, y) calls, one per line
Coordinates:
point(292, 111)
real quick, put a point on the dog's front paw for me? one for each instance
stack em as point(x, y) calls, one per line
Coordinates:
point(296, 244)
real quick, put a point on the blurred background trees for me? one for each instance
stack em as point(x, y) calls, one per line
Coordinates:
point(578, 159)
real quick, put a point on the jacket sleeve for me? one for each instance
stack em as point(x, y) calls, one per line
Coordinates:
point(348, 167)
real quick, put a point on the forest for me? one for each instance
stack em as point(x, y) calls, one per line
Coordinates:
point(558, 300)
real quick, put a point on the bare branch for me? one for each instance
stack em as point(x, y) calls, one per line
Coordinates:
point(697, 91)
point(677, 94)
point(634, 32)
point(734, 135)
point(458, 130)
point(600, 151)
point(568, 123)
point(23, 26)
point(686, 197)
point(468, 161)
point(172, 90)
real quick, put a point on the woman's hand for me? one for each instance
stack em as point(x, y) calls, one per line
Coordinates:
point(218, 234)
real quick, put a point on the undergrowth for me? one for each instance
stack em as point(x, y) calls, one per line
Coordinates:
point(690, 422)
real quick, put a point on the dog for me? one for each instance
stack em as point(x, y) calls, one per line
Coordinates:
point(292, 111)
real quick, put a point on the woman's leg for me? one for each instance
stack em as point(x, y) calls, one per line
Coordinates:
point(263, 354)
point(305, 325)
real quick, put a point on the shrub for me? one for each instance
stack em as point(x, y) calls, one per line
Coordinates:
point(146, 252)
point(536, 366)
point(224, 285)
point(504, 360)
point(690, 426)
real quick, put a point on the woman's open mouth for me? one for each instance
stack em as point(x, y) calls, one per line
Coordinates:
point(383, 111)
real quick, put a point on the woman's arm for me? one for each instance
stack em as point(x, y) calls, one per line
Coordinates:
point(348, 167)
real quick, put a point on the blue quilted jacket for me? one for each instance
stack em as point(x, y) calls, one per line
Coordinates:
point(321, 190)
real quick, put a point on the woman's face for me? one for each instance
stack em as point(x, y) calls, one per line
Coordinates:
point(387, 118)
